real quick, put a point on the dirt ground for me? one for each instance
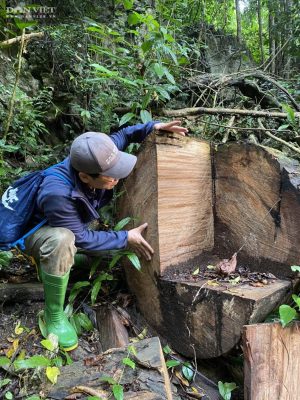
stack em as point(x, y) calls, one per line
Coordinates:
point(20, 338)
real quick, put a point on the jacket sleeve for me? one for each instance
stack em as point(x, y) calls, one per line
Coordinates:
point(132, 134)
point(68, 217)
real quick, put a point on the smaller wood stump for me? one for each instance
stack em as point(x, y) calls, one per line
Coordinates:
point(148, 381)
point(210, 319)
point(272, 362)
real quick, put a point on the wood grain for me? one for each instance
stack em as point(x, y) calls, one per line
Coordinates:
point(257, 204)
point(185, 217)
point(272, 362)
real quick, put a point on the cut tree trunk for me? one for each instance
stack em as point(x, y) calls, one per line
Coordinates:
point(257, 206)
point(272, 362)
point(202, 205)
point(111, 328)
point(149, 378)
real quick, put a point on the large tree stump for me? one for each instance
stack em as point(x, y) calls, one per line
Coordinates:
point(272, 362)
point(149, 378)
point(258, 206)
point(203, 205)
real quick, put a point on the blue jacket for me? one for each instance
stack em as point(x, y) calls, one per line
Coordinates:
point(74, 208)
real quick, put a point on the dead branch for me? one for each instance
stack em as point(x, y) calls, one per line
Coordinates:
point(17, 39)
point(264, 130)
point(229, 128)
point(215, 82)
point(242, 128)
point(85, 389)
point(267, 78)
point(224, 111)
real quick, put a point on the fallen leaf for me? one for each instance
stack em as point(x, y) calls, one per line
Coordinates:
point(195, 272)
point(93, 361)
point(143, 334)
point(211, 267)
point(235, 280)
point(181, 379)
point(19, 329)
point(227, 267)
point(212, 283)
point(12, 349)
point(257, 284)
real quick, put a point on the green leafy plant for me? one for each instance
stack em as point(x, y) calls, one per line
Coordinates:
point(225, 389)
point(117, 388)
point(288, 313)
point(5, 258)
point(185, 367)
point(144, 68)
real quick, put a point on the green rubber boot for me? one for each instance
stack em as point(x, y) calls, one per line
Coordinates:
point(55, 319)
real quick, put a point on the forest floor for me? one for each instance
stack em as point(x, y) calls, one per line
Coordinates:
point(20, 339)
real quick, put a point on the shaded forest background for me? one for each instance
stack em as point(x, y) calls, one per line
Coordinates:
point(98, 65)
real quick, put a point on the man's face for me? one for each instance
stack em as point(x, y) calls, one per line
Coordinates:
point(100, 182)
point(104, 182)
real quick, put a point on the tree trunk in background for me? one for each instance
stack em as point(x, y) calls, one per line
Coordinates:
point(278, 28)
point(289, 34)
point(272, 47)
point(238, 21)
point(260, 31)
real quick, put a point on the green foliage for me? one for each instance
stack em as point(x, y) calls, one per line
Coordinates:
point(76, 289)
point(143, 69)
point(5, 258)
point(27, 123)
point(129, 362)
point(4, 382)
point(287, 314)
point(187, 371)
point(32, 362)
point(4, 361)
point(295, 268)
point(97, 284)
point(225, 389)
point(118, 391)
point(172, 363)
point(52, 374)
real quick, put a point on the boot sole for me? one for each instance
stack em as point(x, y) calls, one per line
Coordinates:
point(70, 348)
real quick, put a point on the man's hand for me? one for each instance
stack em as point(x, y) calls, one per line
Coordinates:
point(172, 126)
point(138, 243)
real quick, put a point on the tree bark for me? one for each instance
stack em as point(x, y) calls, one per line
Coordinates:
point(260, 32)
point(272, 46)
point(149, 377)
point(238, 21)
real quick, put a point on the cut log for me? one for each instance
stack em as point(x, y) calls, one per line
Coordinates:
point(272, 362)
point(202, 206)
point(149, 377)
point(257, 206)
point(171, 189)
point(209, 319)
point(111, 329)
point(21, 292)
